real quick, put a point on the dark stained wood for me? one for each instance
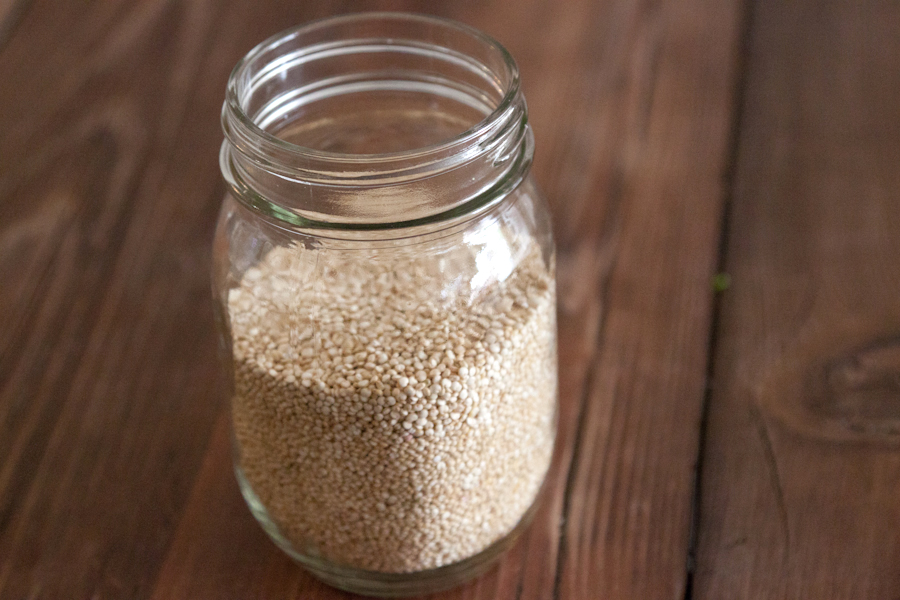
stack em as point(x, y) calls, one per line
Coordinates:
point(108, 370)
point(627, 516)
point(801, 478)
point(115, 476)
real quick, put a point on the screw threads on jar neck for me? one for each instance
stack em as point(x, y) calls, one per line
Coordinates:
point(375, 121)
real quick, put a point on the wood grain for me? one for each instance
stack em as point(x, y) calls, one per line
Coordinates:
point(801, 478)
point(108, 362)
point(115, 477)
point(628, 515)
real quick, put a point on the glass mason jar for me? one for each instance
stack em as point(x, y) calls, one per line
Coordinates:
point(384, 275)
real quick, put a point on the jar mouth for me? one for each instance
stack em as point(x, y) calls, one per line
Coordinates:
point(395, 117)
point(236, 117)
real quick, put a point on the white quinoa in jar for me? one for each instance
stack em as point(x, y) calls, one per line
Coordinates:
point(385, 426)
point(383, 271)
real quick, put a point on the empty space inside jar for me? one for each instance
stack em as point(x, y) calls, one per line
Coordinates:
point(372, 95)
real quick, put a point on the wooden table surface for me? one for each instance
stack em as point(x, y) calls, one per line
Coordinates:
point(739, 440)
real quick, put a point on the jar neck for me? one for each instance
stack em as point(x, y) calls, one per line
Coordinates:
point(375, 121)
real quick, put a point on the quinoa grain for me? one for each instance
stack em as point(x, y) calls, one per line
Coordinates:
point(383, 425)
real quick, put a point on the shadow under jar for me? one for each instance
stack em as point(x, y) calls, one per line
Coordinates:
point(384, 277)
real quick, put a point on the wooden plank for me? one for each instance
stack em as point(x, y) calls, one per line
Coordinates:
point(108, 370)
point(629, 511)
point(11, 12)
point(801, 476)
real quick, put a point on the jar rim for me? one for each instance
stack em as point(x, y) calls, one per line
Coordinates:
point(269, 141)
point(457, 175)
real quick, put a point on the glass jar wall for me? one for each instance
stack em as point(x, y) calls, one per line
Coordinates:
point(384, 273)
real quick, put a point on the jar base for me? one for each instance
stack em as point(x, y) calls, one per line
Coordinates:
point(385, 585)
